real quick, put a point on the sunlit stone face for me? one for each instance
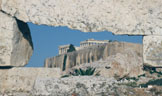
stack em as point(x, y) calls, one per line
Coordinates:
point(15, 42)
point(133, 17)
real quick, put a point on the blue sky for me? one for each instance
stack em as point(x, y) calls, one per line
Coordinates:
point(46, 40)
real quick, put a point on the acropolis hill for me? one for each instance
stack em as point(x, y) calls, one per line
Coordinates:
point(90, 52)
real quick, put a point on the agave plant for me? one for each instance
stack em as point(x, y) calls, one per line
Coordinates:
point(80, 72)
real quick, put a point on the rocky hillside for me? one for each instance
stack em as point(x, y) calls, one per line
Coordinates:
point(91, 54)
point(120, 65)
point(117, 70)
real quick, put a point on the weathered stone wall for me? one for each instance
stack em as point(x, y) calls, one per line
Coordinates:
point(90, 86)
point(94, 53)
point(81, 86)
point(23, 79)
point(15, 41)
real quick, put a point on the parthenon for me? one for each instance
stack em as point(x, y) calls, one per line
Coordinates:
point(91, 42)
point(83, 44)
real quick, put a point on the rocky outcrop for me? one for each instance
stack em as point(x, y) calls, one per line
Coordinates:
point(23, 79)
point(131, 17)
point(15, 41)
point(91, 54)
point(120, 65)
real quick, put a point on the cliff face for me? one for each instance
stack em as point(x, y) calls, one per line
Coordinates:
point(91, 54)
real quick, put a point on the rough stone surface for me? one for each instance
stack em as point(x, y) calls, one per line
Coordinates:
point(81, 86)
point(142, 17)
point(91, 54)
point(15, 41)
point(0, 4)
point(125, 64)
point(90, 86)
point(152, 50)
point(49, 85)
point(23, 79)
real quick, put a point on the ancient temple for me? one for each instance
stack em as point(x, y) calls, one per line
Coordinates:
point(83, 44)
point(91, 42)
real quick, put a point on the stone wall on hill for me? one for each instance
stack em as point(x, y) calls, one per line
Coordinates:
point(91, 54)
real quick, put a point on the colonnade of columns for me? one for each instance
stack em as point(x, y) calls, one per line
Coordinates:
point(86, 44)
point(63, 50)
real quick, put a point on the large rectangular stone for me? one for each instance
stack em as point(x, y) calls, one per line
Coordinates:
point(15, 41)
point(152, 50)
point(133, 17)
point(23, 79)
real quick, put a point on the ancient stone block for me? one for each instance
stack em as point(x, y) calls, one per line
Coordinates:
point(23, 79)
point(15, 41)
point(133, 17)
point(81, 85)
point(152, 50)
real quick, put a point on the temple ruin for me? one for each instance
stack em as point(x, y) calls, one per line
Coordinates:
point(83, 44)
point(91, 42)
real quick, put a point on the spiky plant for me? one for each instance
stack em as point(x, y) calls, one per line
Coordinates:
point(80, 72)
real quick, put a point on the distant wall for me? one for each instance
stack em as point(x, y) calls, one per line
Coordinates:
point(91, 54)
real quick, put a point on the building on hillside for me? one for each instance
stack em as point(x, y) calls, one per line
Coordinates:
point(77, 48)
point(63, 49)
point(83, 44)
point(91, 42)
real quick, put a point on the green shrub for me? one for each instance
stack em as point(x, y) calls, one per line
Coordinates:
point(157, 82)
point(64, 76)
point(130, 84)
point(80, 72)
point(132, 78)
point(71, 48)
point(143, 75)
point(152, 70)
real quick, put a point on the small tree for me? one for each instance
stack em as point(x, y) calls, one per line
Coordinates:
point(71, 48)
